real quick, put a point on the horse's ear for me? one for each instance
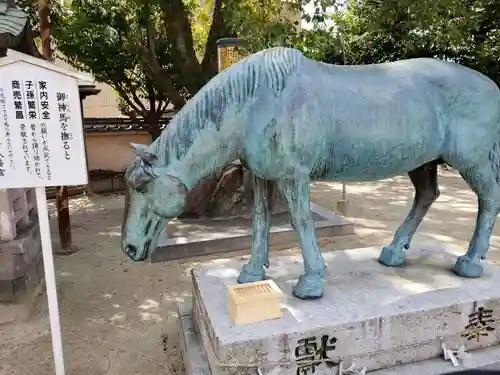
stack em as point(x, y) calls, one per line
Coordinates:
point(144, 153)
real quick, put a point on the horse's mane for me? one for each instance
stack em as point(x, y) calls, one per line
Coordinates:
point(235, 86)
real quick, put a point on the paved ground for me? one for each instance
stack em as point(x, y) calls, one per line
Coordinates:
point(118, 317)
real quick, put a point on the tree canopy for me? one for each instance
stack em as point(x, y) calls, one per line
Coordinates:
point(160, 53)
point(464, 31)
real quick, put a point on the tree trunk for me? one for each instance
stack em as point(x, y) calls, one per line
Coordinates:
point(63, 220)
point(62, 196)
point(228, 193)
point(153, 129)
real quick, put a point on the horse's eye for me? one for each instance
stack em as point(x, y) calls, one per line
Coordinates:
point(141, 189)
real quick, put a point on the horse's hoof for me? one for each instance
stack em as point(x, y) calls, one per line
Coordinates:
point(468, 268)
point(392, 257)
point(309, 287)
point(249, 274)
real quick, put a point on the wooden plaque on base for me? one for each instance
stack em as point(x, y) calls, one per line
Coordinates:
point(253, 302)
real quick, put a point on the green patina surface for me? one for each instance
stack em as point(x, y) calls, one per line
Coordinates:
point(293, 120)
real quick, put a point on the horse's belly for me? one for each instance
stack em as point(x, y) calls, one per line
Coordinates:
point(344, 138)
point(343, 161)
point(381, 142)
point(372, 161)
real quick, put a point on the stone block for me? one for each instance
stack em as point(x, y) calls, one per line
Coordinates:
point(196, 362)
point(19, 297)
point(17, 255)
point(192, 238)
point(376, 316)
point(12, 266)
point(192, 352)
point(17, 290)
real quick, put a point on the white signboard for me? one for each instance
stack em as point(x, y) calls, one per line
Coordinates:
point(41, 135)
point(41, 144)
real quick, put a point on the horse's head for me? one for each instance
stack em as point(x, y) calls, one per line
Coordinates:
point(153, 198)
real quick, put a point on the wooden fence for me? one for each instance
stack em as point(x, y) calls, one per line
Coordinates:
point(16, 208)
point(121, 124)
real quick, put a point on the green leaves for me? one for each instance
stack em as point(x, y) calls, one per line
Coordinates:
point(102, 37)
point(158, 52)
point(162, 51)
point(371, 31)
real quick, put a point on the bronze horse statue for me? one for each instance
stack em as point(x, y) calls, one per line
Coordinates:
point(294, 120)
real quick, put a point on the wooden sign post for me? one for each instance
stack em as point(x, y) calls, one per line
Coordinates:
point(41, 145)
point(228, 53)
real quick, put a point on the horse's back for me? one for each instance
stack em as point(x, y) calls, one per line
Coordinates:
point(469, 109)
point(425, 105)
point(370, 121)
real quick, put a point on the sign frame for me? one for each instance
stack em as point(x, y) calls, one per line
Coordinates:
point(228, 47)
point(61, 126)
point(81, 177)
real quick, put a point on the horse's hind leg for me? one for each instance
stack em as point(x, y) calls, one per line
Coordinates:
point(296, 193)
point(254, 269)
point(424, 179)
point(484, 181)
point(469, 265)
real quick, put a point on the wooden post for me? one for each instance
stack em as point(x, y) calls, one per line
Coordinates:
point(62, 197)
point(342, 205)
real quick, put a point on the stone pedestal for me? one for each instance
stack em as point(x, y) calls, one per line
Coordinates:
point(391, 320)
point(191, 238)
point(21, 273)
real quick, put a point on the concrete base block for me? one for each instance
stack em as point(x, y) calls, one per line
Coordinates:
point(342, 207)
point(192, 352)
point(195, 360)
point(379, 317)
point(21, 274)
point(192, 238)
point(17, 255)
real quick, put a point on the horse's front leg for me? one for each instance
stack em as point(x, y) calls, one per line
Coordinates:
point(296, 193)
point(254, 269)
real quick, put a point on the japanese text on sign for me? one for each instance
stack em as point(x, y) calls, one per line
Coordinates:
point(66, 136)
point(44, 100)
point(18, 99)
point(41, 137)
point(29, 92)
point(228, 56)
point(6, 153)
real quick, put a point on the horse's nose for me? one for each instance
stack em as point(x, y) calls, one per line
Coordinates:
point(131, 250)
